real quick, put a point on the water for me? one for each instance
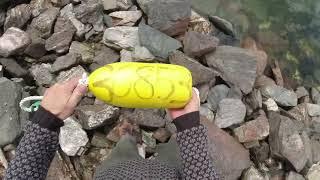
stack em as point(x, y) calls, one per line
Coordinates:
point(289, 30)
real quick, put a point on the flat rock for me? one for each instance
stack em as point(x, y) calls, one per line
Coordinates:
point(237, 66)
point(42, 75)
point(142, 54)
point(198, 44)
point(314, 172)
point(13, 42)
point(84, 49)
point(94, 116)
point(230, 157)
point(313, 109)
point(10, 96)
point(37, 48)
point(18, 16)
point(75, 72)
point(72, 138)
point(169, 16)
point(200, 73)
point(216, 94)
point(103, 56)
point(147, 118)
point(282, 96)
point(43, 24)
point(158, 43)
point(254, 130)
point(65, 62)
point(11, 66)
point(125, 18)
point(230, 112)
point(121, 37)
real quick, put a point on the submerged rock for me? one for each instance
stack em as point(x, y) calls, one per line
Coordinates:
point(282, 96)
point(230, 112)
point(13, 42)
point(121, 37)
point(18, 16)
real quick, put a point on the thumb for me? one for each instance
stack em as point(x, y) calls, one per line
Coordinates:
point(77, 95)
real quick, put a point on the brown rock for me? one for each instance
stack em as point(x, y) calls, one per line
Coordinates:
point(277, 73)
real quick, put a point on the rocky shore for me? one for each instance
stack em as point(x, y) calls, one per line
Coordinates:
point(260, 127)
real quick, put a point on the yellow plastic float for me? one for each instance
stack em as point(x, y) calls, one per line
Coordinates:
point(142, 85)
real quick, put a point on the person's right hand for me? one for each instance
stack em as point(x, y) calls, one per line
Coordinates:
point(192, 106)
point(62, 99)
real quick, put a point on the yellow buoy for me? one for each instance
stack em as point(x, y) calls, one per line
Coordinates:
point(142, 85)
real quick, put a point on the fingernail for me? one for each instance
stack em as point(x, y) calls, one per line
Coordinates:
point(197, 91)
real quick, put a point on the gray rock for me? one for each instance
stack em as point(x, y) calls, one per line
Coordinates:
point(237, 66)
point(75, 72)
point(125, 18)
point(198, 44)
point(42, 75)
point(11, 66)
point(1, 71)
point(294, 176)
point(302, 92)
point(271, 105)
point(261, 153)
point(39, 6)
point(85, 50)
point(13, 42)
point(124, 4)
point(216, 94)
point(169, 16)
point(121, 37)
point(206, 112)
point(235, 93)
point(59, 42)
point(94, 116)
point(314, 172)
point(254, 130)
point(18, 16)
point(37, 48)
point(99, 140)
point(126, 56)
point(147, 118)
point(147, 138)
point(300, 113)
point(254, 99)
point(253, 174)
point(315, 95)
point(162, 135)
point(200, 73)
point(2, 17)
point(102, 56)
point(10, 96)
point(315, 145)
point(60, 3)
point(107, 20)
point(109, 4)
point(43, 24)
point(313, 109)
point(143, 4)
point(72, 138)
point(158, 43)
point(223, 25)
point(262, 81)
point(282, 96)
point(230, 112)
point(65, 62)
point(63, 24)
point(204, 91)
point(142, 54)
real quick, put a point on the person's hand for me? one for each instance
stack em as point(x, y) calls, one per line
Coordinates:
point(61, 99)
point(192, 106)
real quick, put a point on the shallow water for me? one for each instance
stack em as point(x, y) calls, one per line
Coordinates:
point(289, 30)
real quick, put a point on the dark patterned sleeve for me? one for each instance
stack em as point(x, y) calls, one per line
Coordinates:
point(36, 148)
point(193, 144)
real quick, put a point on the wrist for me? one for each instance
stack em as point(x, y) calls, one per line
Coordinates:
point(46, 119)
point(187, 121)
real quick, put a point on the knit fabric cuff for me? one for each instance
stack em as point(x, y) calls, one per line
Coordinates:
point(187, 121)
point(46, 119)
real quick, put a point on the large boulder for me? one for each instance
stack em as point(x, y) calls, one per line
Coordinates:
point(200, 73)
point(158, 43)
point(121, 37)
point(237, 66)
point(198, 44)
point(18, 16)
point(13, 41)
point(10, 96)
point(230, 112)
point(282, 96)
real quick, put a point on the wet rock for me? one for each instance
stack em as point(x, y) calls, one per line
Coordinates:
point(231, 158)
point(10, 96)
point(102, 56)
point(200, 24)
point(315, 95)
point(206, 112)
point(13, 42)
point(84, 49)
point(65, 62)
point(253, 174)
point(223, 25)
point(271, 105)
point(197, 44)
point(216, 94)
point(125, 18)
point(75, 72)
point(60, 3)
point(94, 116)
point(72, 138)
point(302, 92)
point(263, 80)
point(313, 109)
point(142, 54)
point(11, 66)
point(158, 43)
point(44, 22)
point(121, 37)
point(170, 17)
point(18, 16)
point(42, 75)
point(200, 73)
point(282, 96)
point(147, 118)
point(37, 48)
point(237, 66)
point(230, 112)
point(99, 140)
point(39, 6)
point(161, 134)
point(257, 129)
point(314, 172)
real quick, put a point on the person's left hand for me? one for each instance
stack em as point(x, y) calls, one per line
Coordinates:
point(62, 99)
